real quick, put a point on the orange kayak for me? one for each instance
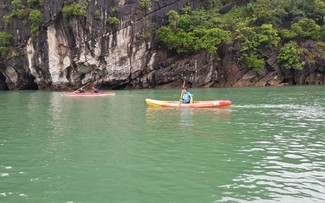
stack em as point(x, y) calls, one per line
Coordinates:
point(195, 104)
point(88, 94)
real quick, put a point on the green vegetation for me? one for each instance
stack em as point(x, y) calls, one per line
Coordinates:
point(305, 28)
point(257, 26)
point(254, 62)
point(17, 4)
point(15, 54)
point(252, 38)
point(114, 10)
point(321, 47)
point(97, 15)
point(32, 3)
point(114, 21)
point(21, 13)
point(3, 51)
point(4, 43)
point(5, 38)
point(252, 29)
point(74, 9)
point(17, 12)
point(35, 17)
point(174, 65)
point(289, 56)
point(185, 38)
point(145, 4)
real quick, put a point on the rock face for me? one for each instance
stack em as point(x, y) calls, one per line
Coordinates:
point(69, 51)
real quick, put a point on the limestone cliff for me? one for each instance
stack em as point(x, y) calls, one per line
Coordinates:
point(70, 50)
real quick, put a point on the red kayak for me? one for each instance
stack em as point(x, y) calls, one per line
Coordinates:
point(88, 94)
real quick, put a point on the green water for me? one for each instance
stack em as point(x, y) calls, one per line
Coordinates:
point(267, 147)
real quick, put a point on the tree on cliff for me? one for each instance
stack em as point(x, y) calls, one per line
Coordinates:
point(257, 25)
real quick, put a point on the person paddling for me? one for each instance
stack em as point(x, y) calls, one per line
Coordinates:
point(81, 90)
point(186, 96)
point(95, 88)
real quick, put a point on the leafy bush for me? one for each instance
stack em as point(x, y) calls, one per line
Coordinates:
point(97, 15)
point(17, 4)
point(186, 33)
point(180, 41)
point(19, 13)
point(32, 3)
point(321, 48)
point(166, 36)
point(289, 56)
point(268, 36)
point(35, 17)
point(252, 38)
point(254, 62)
point(74, 9)
point(5, 38)
point(186, 23)
point(305, 28)
point(173, 19)
point(188, 42)
point(114, 9)
point(15, 54)
point(321, 33)
point(3, 51)
point(186, 10)
point(209, 39)
point(4, 43)
point(236, 19)
point(260, 13)
point(257, 25)
point(287, 34)
point(145, 4)
point(16, 13)
point(214, 3)
point(113, 21)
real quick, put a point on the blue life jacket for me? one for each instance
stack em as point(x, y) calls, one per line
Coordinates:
point(187, 98)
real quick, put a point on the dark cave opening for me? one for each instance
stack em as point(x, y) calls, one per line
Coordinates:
point(3, 84)
point(31, 85)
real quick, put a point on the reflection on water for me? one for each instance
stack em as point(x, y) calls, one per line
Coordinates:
point(186, 117)
point(195, 122)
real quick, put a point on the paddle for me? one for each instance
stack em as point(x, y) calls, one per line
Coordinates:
point(180, 99)
point(82, 87)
